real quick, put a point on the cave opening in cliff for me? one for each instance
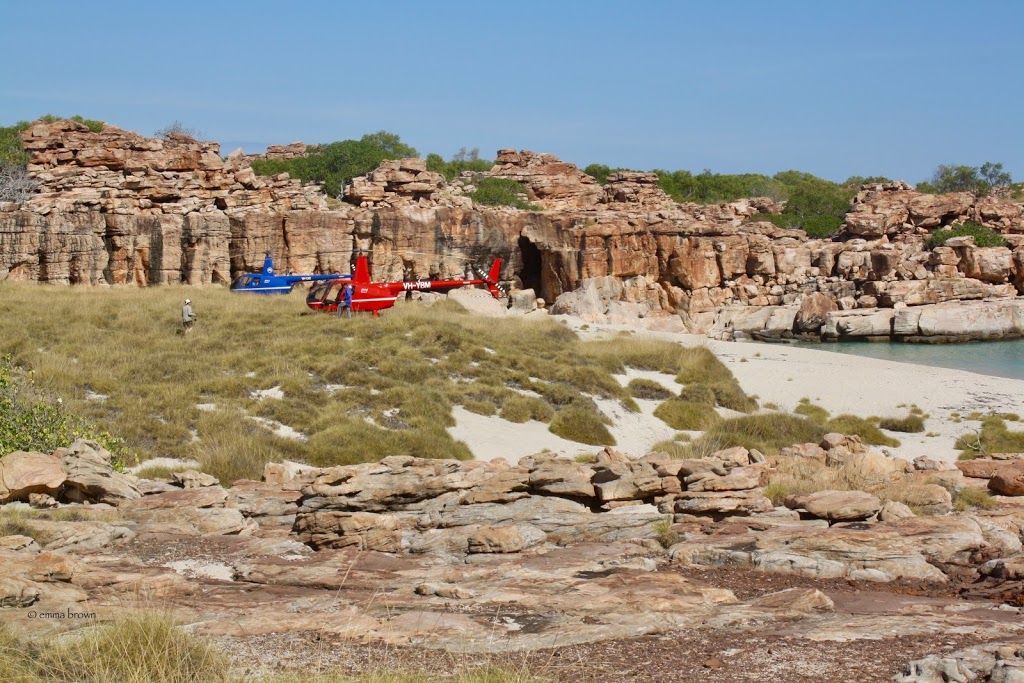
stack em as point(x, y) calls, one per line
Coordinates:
point(529, 274)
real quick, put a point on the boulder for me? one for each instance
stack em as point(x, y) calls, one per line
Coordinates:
point(25, 473)
point(980, 468)
point(477, 302)
point(928, 499)
point(836, 506)
point(1009, 480)
point(91, 478)
point(813, 311)
point(523, 300)
point(721, 503)
point(559, 477)
point(893, 512)
point(191, 479)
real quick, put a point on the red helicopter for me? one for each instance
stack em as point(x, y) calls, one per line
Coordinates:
point(376, 296)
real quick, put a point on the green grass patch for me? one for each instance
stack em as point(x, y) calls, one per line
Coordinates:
point(811, 411)
point(581, 425)
point(647, 389)
point(767, 432)
point(687, 415)
point(983, 236)
point(911, 424)
point(973, 497)
point(993, 437)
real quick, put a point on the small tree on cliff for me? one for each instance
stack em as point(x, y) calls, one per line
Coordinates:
point(966, 179)
point(463, 160)
point(15, 183)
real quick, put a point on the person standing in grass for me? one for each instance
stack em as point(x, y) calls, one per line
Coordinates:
point(188, 318)
point(346, 301)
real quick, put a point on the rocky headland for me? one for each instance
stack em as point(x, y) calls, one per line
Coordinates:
point(113, 207)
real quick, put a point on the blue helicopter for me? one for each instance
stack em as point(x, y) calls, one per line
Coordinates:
point(266, 282)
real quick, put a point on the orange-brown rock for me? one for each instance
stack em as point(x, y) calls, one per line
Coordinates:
point(1009, 479)
point(553, 184)
point(117, 208)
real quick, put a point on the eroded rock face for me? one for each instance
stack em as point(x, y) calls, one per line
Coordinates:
point(90, 476)
point(118, 208)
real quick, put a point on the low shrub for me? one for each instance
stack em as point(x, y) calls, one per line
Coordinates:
point(34, 422)
point(701, 366)
point(581, 425)
point(480, 407)
point(698, 393)
point(812, 411)
point(983, 236)
point(993, 437)
point(767, 432)
point(524, 408)
point(673, 448)
point(626, 351)
point(911, 424)
point(866, 430)
point(973, 497)
point(647, 389)
point(728, 394)
point(665, 534)
point(686, 415)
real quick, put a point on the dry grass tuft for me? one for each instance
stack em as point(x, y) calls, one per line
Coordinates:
point(871, 472)
point(581, 425)
point(687, 415)
point(146, 647)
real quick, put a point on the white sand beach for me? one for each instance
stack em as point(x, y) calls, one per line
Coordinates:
point(782, 374)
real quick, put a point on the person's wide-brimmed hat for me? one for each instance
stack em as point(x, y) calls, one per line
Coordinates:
point(188, 301)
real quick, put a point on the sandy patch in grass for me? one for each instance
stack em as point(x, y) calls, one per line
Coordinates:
point(489, 437)
point(272, 392)
point(635, 433)
point(665, 380)
point(281, 430)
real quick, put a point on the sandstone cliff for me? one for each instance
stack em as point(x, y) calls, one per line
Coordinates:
point(117, 208)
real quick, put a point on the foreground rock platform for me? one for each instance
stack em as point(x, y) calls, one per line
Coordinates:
point(543, 556)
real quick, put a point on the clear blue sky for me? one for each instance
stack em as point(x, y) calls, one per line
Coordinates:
point(833, 88)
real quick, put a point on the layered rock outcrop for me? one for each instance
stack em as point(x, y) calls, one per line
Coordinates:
point(117, 208)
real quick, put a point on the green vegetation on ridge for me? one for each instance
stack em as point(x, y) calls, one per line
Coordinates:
point(983, 236)
point(334, 164)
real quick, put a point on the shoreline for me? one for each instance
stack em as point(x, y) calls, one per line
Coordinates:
point(779, 375)
point(847, 383)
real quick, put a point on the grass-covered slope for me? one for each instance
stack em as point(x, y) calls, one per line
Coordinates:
point(354, 390)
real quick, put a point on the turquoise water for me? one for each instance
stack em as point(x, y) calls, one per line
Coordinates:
point(1002, 359)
